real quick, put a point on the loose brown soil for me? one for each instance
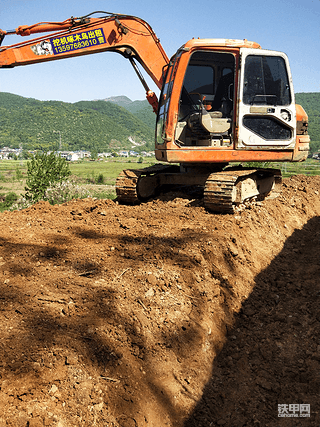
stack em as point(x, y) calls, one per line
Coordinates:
point(161, 314)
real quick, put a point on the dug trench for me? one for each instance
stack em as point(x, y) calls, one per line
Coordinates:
point(161, 314)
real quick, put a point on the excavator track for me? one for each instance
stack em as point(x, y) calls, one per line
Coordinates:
point(136, 185)
point(219, 192)
point(223, 191)
point(226, 190)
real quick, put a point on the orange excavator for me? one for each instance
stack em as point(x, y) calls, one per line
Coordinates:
point(222, 101)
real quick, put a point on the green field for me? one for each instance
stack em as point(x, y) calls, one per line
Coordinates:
point(99, 177)
point(309, 167)
point(110, 169)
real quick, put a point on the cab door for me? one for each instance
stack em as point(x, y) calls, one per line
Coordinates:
point(266, 114)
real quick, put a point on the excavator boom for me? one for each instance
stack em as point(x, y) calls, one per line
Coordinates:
point(128, 35)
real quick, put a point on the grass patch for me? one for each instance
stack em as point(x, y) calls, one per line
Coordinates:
point(310, 167)
point(108, 170)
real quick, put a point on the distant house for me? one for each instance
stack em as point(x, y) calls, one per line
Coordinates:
point(123, 153)
point(64, 154)
point(6, 153)
point(133, 153)
point(101, 155)
point(73, 157)
point(81, 154)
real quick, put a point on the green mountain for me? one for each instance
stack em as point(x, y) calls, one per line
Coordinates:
point(125, 102)
point(101, 125)
point(141, 109)
point(311, 103)
point(88, 125)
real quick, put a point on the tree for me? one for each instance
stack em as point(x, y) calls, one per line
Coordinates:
point(43, 170)
point(24, 155)
point(94, 154)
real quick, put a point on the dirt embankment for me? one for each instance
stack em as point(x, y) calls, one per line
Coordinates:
point(161, 314)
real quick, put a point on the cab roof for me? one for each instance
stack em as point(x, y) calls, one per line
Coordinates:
point(221, 42)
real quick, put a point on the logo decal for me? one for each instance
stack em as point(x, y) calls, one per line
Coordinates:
point(43, 48)
point(293, 410)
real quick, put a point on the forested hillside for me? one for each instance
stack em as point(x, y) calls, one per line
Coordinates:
point(141, 109)
point(101, 125)
point(311, 103)
point(88, 125)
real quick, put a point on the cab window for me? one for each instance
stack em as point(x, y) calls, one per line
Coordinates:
point(266, 81)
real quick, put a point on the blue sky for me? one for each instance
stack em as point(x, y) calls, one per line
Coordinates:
point(291, 26)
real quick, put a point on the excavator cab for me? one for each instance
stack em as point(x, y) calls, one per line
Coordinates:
point(222, 99)
point(207, 100)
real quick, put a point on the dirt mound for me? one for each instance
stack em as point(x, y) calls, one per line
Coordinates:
point(161, 314)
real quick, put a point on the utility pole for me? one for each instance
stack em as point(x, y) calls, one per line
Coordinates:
point(57, 131)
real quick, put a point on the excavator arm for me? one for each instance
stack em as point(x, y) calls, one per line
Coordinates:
point(128, 35)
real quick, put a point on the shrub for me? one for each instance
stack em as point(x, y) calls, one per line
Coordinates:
point(100, 179)
point(44, 170)
point(19, 174)
point(21, 203)
point(59, 192)
point(7, 201)
point(95, 179)
point(62, 192)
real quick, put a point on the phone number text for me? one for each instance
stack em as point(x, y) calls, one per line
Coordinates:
point(77, 41)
